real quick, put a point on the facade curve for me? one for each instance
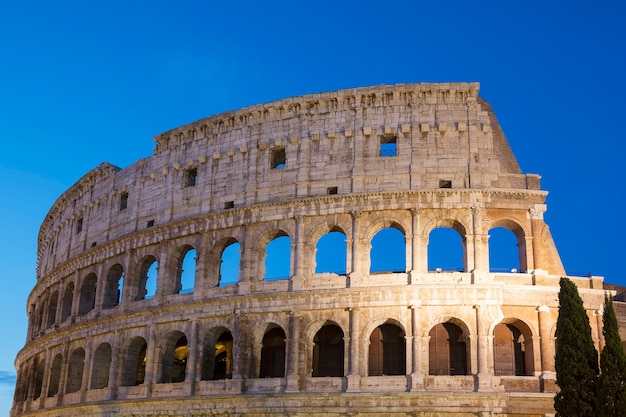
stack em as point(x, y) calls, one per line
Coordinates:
point(134, 311)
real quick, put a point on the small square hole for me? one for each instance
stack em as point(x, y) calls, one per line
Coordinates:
point(150, 223)
point(93, 244)
point(279, 158)
point(229, 204)
point(388, 146)
point(191, 175)
point(123, 201)
point(331, 190)
point(445, 184)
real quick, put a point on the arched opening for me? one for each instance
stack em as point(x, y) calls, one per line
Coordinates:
point(87, 300)
point(387, 351)
point(55, 375)
point(446, 250)
point(328, 351)
point(113, 287)
point(273, 354)
point(39, 374)
point(278, 258)
point(75, 370)
point(52, 309)
point(504, 255)
point(447, 350)
point(147, 278)
point(512, 351)
point(186, 271)
point(68, 296)
point(217, 355)
point(331, 253)
point(100, 366)
point(229, 264)
point(135, 363)
point(388, 253)
point(174, 353)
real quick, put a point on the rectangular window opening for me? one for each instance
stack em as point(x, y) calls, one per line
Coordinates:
point(279, 159)
point(150, 223)
point(331, 190)
point(79, 225)
point(388, 145)
point(191, 176)
point(445, 184)
point(229, 205)
point(123, 201)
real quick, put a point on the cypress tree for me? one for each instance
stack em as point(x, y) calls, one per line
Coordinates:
point(611, 398)
point(576, 356)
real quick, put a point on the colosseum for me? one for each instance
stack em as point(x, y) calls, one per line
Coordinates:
point(157, 290)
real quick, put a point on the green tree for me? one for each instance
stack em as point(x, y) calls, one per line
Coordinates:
point(611, 398)
point(576, 356)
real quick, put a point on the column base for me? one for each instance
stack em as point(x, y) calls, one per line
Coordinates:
point(416, 382)
point(488, 383)
point(293, 384)
point(353, 383)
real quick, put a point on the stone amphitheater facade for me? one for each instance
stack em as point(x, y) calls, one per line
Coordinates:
point(349, 342)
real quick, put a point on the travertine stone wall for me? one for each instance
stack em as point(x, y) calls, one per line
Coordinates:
point(411, 157)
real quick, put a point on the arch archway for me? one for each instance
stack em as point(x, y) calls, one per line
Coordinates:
point(447, 350)
point(272, 364)
point(328, 351)
point(387, 351)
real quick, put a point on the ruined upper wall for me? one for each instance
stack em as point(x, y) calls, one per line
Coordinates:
point(442, 135)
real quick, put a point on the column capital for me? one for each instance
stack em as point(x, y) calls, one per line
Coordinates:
point(542, 309)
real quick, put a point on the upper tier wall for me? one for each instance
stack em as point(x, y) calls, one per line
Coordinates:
point(399, 137)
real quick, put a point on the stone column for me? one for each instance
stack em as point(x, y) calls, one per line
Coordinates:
point(153, 354)
point(354, 377)
point(293, 340)
point(100, 287)
point(485, 382)
point(354, 276)
point(417, 360)
point(297, 280)
point(548, 374)
point(87, 370)
point(130, 283)
point(417, 248)
point(599, 342)
point(192, 357)
point(536, 221)
point(248, 252)
point(479, 259)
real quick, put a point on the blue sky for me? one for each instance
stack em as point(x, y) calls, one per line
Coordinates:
point(83, 82)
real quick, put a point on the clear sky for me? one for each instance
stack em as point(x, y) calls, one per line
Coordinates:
point(83, 82)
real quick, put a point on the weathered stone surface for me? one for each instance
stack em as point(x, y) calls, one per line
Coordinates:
point(412, 157)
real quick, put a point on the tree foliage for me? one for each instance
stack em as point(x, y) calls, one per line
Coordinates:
point(576, 356)
point(611, 397)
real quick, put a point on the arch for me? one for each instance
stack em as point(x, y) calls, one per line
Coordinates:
point(76, 367)
point(230, 260)
point(55, 375)
point(113, 287)
point(387, 351)
point(185, 270)
point(331, 253)
point(134, 371)
point(173, 360)
point(100, 366)
point(40, 368)
point(328, 351)
point(444, 252)
point(272, 364)
point(513, 349)
point(217, 355)
point(447, 350)
point(388, 250)
point(87, 301)
point(68, 298)
point(147, 282)
point(277, 259)
point(507, 246)
point(52, 309)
